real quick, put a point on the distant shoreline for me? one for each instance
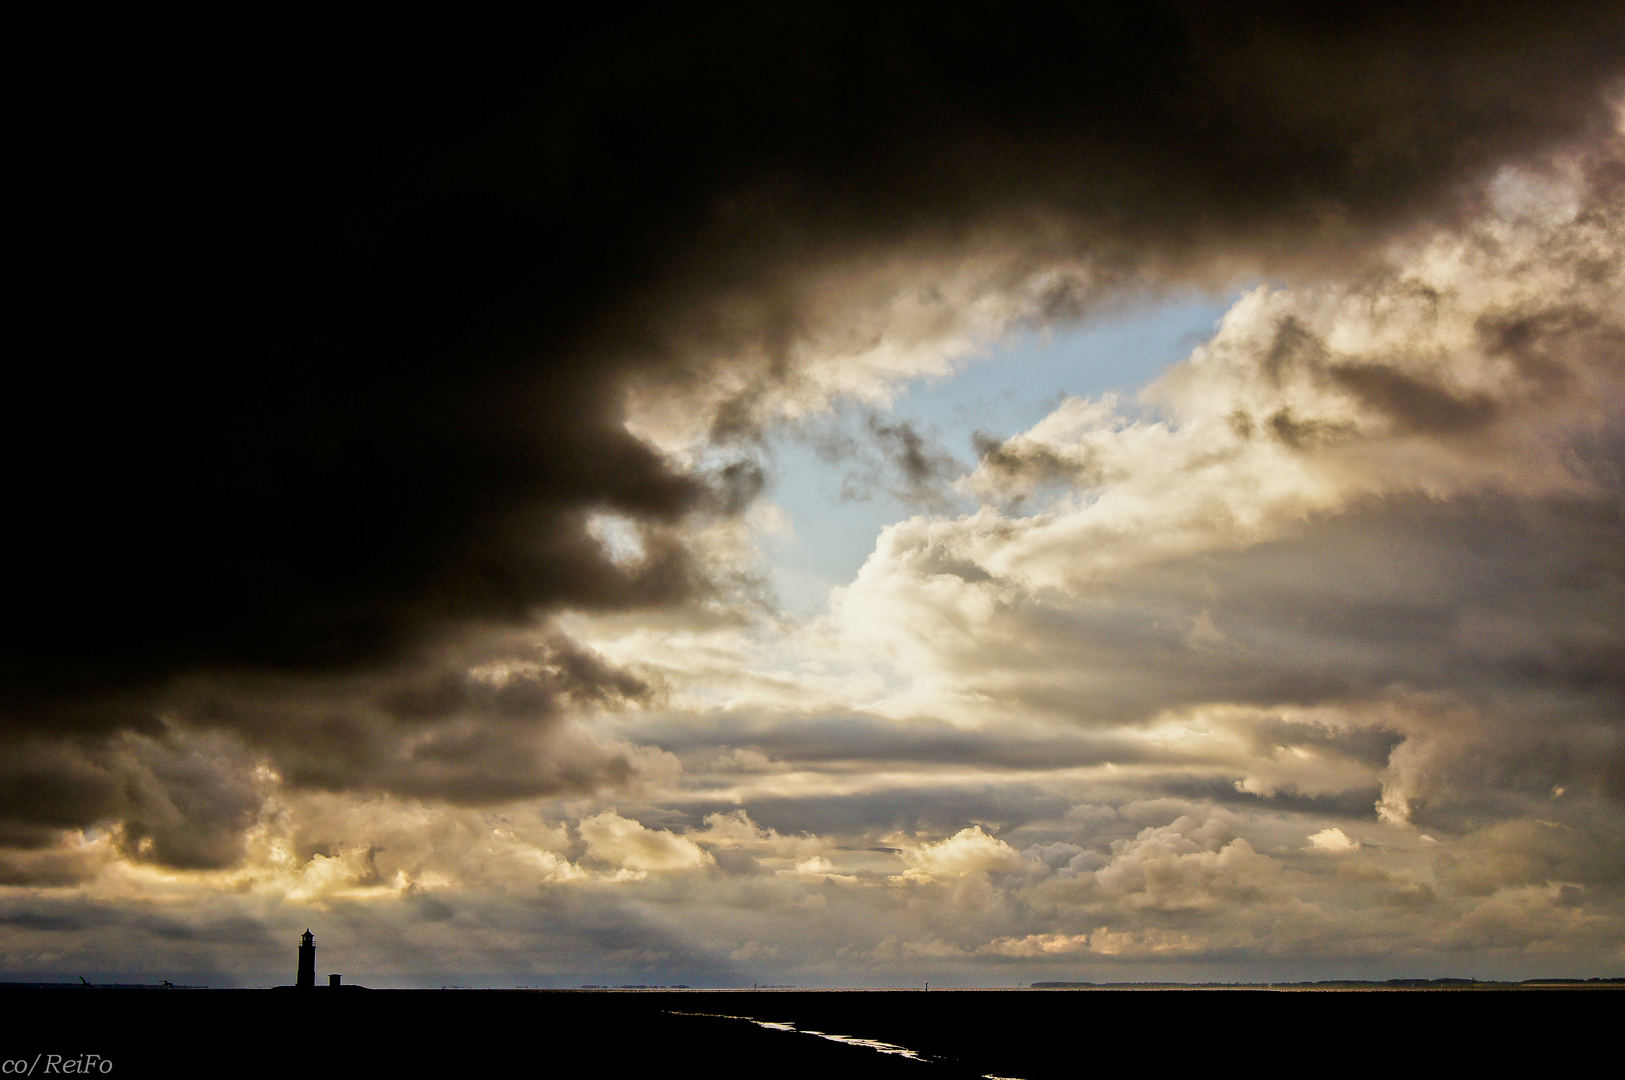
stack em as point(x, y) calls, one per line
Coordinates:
point(1351, 984)
point(1446, 984)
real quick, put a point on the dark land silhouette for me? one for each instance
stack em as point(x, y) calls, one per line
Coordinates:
point(954, 1033)
point(1029, 1032)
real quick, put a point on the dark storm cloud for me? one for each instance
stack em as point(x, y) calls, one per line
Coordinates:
point(361, 317)
point(463, 727)
point(334, 336)
point(183, 801)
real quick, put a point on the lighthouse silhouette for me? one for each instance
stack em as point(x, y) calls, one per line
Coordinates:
point(307, 961)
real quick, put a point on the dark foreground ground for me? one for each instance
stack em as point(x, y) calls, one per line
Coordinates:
point(1001, 1033)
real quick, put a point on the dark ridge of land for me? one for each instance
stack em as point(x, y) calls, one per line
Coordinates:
point(1318, 984)
point(960, 1033)
point(1347, 984)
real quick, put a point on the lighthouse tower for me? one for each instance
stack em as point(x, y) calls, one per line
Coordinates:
point(307, 961)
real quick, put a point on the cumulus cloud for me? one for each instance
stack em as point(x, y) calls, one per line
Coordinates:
point(1187, 865)
point(624, 843)
point(1333, 841)
point(969, 851)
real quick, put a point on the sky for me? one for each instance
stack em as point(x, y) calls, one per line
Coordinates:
point(823, 497)
point(837, 479)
